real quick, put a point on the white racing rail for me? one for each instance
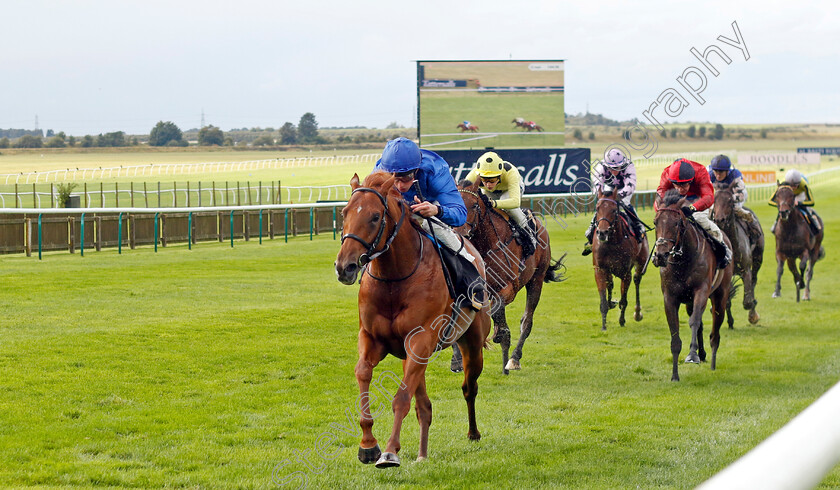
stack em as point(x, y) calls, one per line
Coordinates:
point(797, 456)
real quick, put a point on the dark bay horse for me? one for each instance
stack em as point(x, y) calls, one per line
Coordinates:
point(689, 275)
point(615, 252)
point(794, 240)
point(488, 230)
point(471, 128)
point(404, 310)
point(747, 255)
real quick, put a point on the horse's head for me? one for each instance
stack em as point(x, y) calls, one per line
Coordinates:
point(365, 221)
point(670, 226)
point(724, 202)
point(606, 216)
point(476, 204)
point(786, 199)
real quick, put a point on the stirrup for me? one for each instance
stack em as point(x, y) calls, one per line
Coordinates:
point(587, 249)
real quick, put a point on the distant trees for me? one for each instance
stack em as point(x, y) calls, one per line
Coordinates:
point(110, 139)
point(691, 132)
point(264, 140)
point(29, 141)
point(717, 133)
point(211, 135)
point(308, 128)
point(288, 134)
point(166, 134)
point(578, 135)
point(4, 142)
point(57, 140)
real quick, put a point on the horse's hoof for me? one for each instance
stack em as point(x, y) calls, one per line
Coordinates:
point(613, 304)
point(369, 455)
point(388, 460)
point(456, 368)
point(806, 297)
point(420, 459)
point(474, 436)
point(754, 318)
point(692, 359)
point(513, 365)
point(638, 316)
point(776, 294)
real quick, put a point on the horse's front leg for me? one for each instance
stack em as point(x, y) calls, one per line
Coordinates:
point(695, 321)
point(780, 268)
point(533, 292)
point(672, 314)
point(369, 356)
point(622, 303)
point(812, 259)
point(601, 281)
point(637, 279)
point(797, 277)
point(502, 335)
point(414, 373)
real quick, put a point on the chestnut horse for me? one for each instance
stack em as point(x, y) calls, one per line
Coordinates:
point(747, 254)
point(488, 230)
point(471, 128)
point(689, 275)
point(615, 252)
point(529, 125)
point(794, 240)
point(404, 310)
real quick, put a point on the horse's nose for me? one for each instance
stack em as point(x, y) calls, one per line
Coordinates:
point(347, 274)
point(659, 260)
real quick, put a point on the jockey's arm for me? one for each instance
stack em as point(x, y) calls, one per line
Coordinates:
point(445, 192)
point(629, 181)
point(805, 198)
point(514, 200)
point(739, 192)
point(707, 192)
point(772, 200)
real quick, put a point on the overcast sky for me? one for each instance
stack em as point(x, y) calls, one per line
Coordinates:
point(89, 67)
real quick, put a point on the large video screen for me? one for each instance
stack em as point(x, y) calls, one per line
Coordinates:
point(499, 104)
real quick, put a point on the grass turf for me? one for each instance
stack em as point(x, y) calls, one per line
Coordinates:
point(211, 367)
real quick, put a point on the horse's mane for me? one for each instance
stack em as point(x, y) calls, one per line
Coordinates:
point(672, 196)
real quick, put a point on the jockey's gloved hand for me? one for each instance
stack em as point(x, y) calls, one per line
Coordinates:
point(622, 194)
point(688, 210)
point(492, 203)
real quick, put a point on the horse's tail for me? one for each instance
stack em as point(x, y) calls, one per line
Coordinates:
point(557, 271)
point(822, 253)
point(733, 290)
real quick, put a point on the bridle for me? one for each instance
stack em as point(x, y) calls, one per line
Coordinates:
point(611, 229)
point(792, 206)
point(478, 214)
point(369, 254)
point(675, 253)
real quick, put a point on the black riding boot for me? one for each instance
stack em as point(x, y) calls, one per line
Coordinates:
point(587, 247)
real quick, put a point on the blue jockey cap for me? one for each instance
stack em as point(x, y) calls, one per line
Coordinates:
point(400, 155)
point(721, 162)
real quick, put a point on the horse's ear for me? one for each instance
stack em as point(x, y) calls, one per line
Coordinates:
point(778, 184)
point(354, 182)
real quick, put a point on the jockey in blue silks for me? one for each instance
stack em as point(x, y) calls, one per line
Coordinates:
point(438, 197)
point(721, 172)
